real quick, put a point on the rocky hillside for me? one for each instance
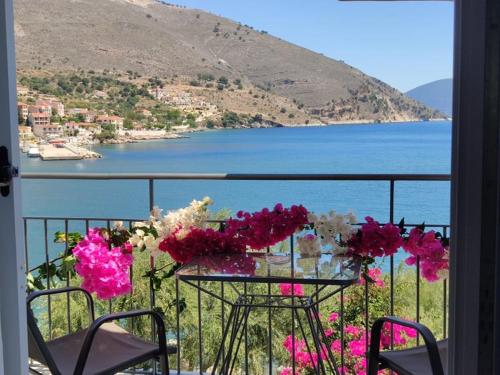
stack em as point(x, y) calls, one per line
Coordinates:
point(157, 39)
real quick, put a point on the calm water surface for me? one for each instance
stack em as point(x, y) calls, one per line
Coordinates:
point(395, 148)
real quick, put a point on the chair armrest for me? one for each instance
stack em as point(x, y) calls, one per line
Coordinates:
point(429, 339)
point(93, 329)
point(47, 292)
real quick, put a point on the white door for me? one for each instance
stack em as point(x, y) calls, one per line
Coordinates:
point(13, 356)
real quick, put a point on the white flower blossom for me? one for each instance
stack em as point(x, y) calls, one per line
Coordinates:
point(309, 246)
point(160, 226)
point(118, 225)
point(334, 229)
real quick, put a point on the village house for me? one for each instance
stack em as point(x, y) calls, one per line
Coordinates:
point(44, 108)
point(77, 111)
point(22, 109)
point(81, 128)
point(71, 128)
point(48, 130)
point(116, 121)
point(90, 116)
point(56, 106)
point(25, 133)
point(38, 119)
point(89, 128)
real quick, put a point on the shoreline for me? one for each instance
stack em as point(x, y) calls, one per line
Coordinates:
point(82, 151)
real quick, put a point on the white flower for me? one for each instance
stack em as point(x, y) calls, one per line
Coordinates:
point(118, 225)
point(156, 213)
point(334, 229)
point(160, 226)
point(309, 246)
point(149, 241)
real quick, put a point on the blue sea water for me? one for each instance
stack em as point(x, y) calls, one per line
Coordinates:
point(385, 148)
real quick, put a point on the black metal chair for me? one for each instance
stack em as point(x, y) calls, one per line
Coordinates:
point(101, 349)
point(429, 359)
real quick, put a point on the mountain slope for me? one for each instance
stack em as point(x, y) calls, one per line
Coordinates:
point(437, 94)
point(156, 39)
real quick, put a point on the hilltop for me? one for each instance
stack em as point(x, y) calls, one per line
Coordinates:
point(269, 77)
point(437, 95)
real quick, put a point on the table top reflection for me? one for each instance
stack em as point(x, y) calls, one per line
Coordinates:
point(253, 267)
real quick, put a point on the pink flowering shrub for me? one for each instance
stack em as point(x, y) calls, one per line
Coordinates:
point(375, 240)
point(258, 230)
point(374, 275)
point(199, 242)
point(266, 228)
point(103, 267)
point(429, 250)
point(353, 346)
point(286, 289)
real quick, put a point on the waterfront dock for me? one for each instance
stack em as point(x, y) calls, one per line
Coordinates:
point(67, 152)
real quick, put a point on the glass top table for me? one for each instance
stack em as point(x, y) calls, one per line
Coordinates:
point(326, 270)
point(253, 267)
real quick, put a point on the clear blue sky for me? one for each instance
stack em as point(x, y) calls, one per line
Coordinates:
point(405, 44)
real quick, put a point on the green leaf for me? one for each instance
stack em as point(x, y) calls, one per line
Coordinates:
point(171, 271)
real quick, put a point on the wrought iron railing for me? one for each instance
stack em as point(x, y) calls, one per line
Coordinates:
point(83, 223)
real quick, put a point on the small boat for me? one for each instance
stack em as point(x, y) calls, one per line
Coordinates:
point(34, 152)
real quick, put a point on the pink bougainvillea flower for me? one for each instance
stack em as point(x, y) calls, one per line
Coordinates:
point(352, 330)
point(429, 251)
point(286, 289)
point(104, 271)
point(375, 274)
point(288, 371)
point(374, 240)
point(357, 347)
point(199, 242)
point(266, 228)
point(336, 346)
point(333, 317)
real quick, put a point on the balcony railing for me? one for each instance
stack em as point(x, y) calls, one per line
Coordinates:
point(180, 307)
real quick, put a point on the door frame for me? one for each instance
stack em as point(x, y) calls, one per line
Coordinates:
point(12, 264)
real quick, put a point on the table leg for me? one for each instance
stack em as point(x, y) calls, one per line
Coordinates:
point(331, 358)
point(316, 340)
point(301, 326)
point(246, 314)
point(224, 335)
point(235, 328)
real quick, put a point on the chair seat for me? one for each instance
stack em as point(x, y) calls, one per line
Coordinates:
point(415, 361)
point(112, 348)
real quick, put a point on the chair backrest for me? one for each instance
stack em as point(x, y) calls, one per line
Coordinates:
point(37, 348)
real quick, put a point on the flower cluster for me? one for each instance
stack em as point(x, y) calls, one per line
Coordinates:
point(375, 240)
point(304, 360)
point(309, 246)
point(374, 275)
point(287, 290)
point(148, 235)
point(355, 345)
point(266, 228)
point(334, 229)
point(103, 267)
point(430, 251)
point(198, 242)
